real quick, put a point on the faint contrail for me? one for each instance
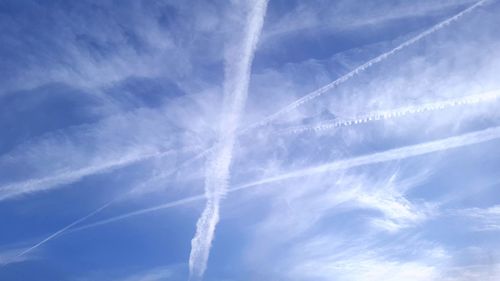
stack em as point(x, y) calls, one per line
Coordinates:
point(237, 71)
point(393, 113)
point(21, 188)
point(91, 214)
point(389, 155)
point(379, 157)
point(362, 68)
point(172, 204)
point(59, 232)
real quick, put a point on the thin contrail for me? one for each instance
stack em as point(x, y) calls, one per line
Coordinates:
point(237, 71)
point(59, 232)
point(393, 113)
point(312, 95)
point(389, 155)
point(379, 157)
point(91, 214)
point(21, 188)
point(172, 204)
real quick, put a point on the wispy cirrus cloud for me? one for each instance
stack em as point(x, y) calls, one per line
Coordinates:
point(366, 202)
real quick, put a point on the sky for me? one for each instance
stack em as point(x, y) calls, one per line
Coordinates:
point(157, 140)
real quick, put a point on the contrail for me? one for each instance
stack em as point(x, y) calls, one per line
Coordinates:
point(379, 157)
point(389, 155)
point(172, 204)
point(21, 188)
point(312, 95)
point(93, 213)
point(394, 113)
point(237, 71)
point(59, 232)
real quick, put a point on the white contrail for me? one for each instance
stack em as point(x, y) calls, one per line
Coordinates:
point(237, 72)
point(106, 205)
point(59, 232)
point(66, 177)
point(394, 113)
point(312, 95)
point(379, 157)
point(389, 155)
point(168, 205)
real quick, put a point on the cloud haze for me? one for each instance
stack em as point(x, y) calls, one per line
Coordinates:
point(249, 140)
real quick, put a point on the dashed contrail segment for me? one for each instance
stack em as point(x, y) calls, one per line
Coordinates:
point(379, 157)
point(237, 70)
point(394, 113)
point(309, 97)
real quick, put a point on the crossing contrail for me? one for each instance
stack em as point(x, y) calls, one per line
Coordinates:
point(91, 214)
point(374, 158)
point(394, 113)
point(237, 71)
point(312, 95)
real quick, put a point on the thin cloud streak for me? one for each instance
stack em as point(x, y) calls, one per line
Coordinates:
point(316, 93)
point(395, 113)
point(143, 211)
point(46, 183)
point(389, 155)
point(237, 73)
point(97, 211)
point(62, 230)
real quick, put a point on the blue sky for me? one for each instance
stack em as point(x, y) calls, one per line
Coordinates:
point(249, 140)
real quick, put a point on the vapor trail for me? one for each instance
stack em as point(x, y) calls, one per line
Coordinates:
point(142, 211)
point(389, 155)
point(394, 113)
point(91, 214)
point(379, 157)
point(45, 183)
point(312, 95)
point(237, 71)
point(59, 232)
